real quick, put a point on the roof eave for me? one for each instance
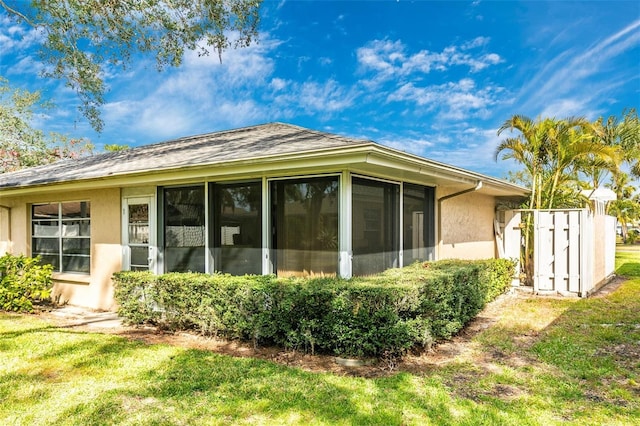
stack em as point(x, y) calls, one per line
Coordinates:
point(365, 153)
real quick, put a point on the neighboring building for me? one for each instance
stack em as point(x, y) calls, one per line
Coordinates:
point(273, 198)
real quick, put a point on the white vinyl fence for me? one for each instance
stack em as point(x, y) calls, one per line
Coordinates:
point(573, 250)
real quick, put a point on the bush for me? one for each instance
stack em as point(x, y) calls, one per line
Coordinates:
point(23, 281)
point(382, 315)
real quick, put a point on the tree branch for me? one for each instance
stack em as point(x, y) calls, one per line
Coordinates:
point(15, 12)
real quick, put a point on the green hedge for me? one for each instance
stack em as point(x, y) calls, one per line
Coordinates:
point(23, 281)
point(382, 315)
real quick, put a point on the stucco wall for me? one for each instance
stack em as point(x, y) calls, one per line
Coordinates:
point(5, 230)
point(466, 226)
point(94, 290)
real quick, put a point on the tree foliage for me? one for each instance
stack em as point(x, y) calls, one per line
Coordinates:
point(622, 134)
point(554, 152)
point(21, 145)
point(82, 39)
point(114, 147)
point(626, 207)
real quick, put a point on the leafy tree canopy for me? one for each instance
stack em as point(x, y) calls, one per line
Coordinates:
point(21, 145)
point(553, 152)
point(624, 134)
point(560, 155)
point(81, 38)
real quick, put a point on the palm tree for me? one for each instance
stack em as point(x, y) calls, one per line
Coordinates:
point(624, 208)
point(553, 152)
point(629, 135)
point(528, 149)
point(571, 147)
point(624, 135)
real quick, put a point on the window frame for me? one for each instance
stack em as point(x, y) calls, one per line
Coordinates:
point(60, 235)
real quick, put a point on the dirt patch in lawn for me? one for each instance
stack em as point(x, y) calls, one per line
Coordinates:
point(461, 348)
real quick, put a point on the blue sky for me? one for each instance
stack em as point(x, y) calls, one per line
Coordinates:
point(431, 78)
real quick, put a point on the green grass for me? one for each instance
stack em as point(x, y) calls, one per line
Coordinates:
point(628, 260)
point(546, 361)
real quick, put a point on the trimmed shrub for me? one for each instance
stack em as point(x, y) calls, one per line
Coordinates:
point(382, 315)
point(136, 296)
point(23, 281)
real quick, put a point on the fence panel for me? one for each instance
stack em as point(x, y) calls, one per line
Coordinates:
point(573, 251)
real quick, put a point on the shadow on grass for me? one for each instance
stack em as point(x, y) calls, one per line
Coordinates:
point(197, 386)
point(116, 381)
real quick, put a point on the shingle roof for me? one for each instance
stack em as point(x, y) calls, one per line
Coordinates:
point(208, 149)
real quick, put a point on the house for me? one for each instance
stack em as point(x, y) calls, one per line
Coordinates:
point(273, 198)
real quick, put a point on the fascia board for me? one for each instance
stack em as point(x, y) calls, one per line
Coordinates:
point(388, 157)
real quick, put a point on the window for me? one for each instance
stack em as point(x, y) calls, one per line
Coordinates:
point(419, 223)
point(305, 226)
point(184, 229)
point(375, 226)
point(61, 235)
point(237, 230)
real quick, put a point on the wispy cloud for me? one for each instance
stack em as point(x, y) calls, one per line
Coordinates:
point(460, 145)
point(557, 88)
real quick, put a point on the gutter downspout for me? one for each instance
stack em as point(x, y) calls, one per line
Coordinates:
point(446, 197)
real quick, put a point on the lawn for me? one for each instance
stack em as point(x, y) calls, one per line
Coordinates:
point(545, 361)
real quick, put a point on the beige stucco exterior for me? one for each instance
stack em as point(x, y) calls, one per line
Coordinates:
point(466, 226)
point(94, 290)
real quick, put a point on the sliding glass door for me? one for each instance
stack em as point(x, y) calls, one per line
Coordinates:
point(184, 229)
point(237, 229)
point(375, 226)
point(418, 207)
point(305, 226)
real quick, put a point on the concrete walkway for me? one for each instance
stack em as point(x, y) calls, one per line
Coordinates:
point(76, 316)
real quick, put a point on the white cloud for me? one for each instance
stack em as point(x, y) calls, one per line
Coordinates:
point(389, 58)
point(312, 97)
point(25, 65)
point(278, 84)
point(418, 145)
point(453, 100)
point(380, 55)
point(16, 37)
point(476, 42)
point(203, 95)
point(460, 145)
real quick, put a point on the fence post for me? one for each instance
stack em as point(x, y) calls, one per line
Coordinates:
point(587, 253)
point(513, 242)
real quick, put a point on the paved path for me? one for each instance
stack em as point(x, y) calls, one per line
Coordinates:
point(75, 316)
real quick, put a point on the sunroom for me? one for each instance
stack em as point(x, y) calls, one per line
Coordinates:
point(320, 225)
